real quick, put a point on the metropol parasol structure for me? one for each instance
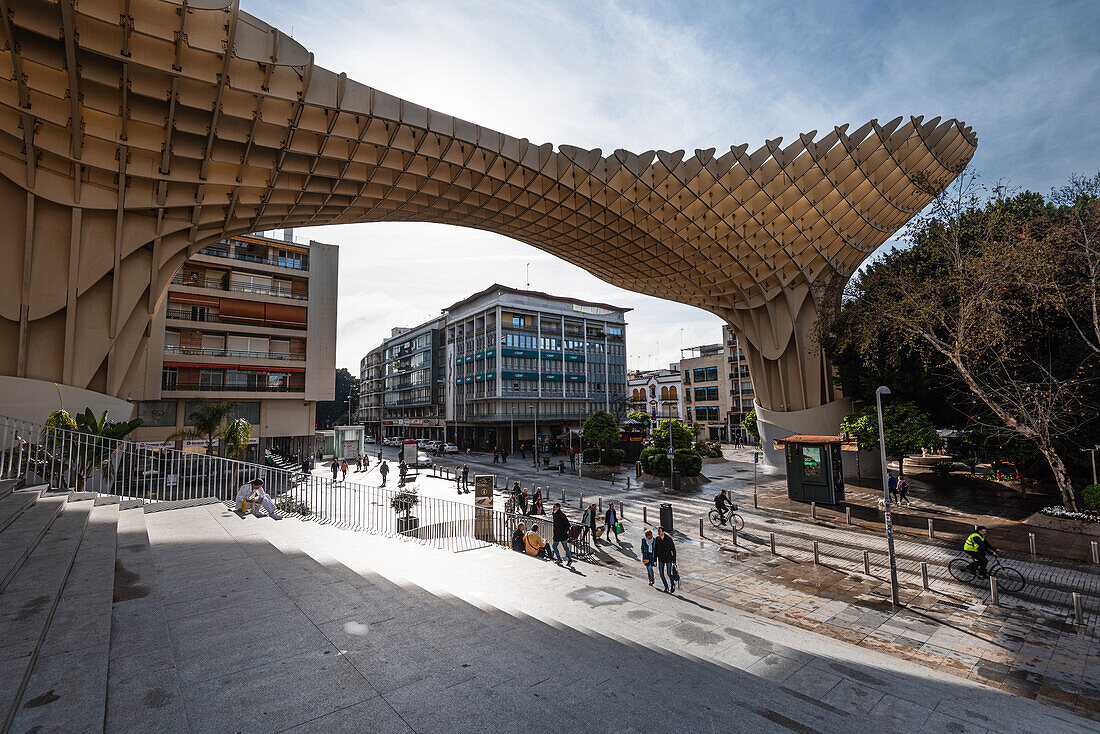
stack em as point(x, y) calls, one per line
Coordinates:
point(135, 132)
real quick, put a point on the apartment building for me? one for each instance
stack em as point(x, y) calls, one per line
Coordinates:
point(412, 382)
point(522, 363)
point(657, 393)
point(716, 386)
point(251, 321)
point(371, 386)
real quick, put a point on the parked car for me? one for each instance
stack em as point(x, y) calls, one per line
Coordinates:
point(423, 460)
point(369, 439)
point(450, 448)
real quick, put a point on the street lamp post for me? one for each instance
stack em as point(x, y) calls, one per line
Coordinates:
point(1092, 453)
point(535, 408)
point(894, 596)
point(512, 433)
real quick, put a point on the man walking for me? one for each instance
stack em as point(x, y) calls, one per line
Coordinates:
point(384, 470)
point(588, 521)
point(496, 455)
point(504, 456)
point(665, 551)
point(611, 520)
point(561, 535)
point(892, 485)
point(572, 460)
point(466, 478)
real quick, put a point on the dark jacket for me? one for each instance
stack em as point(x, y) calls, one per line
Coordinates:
point(561, 526)
point(664, 549)
point(609, 517)
point(517, 540)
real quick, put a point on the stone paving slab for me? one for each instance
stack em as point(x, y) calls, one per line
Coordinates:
point(669, 640)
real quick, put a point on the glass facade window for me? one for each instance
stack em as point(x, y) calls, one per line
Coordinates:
point(157, 413)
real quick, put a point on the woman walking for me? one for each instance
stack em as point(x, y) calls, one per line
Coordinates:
point(537, 502)
point(649, 560)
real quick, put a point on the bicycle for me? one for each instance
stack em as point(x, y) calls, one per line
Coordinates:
point(717, 520)
point(965, 570)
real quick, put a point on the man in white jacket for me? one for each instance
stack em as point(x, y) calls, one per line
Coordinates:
point(254, 492)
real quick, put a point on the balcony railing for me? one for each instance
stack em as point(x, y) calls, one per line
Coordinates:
point(280, 262)
point(168, 385)
point(186, 314)
point(236, 353)
point(223, 284)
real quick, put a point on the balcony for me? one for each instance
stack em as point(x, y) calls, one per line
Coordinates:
point(186, 314)
point(228, 284)
point(235, 353)
point(170, 386)
point(279, 262)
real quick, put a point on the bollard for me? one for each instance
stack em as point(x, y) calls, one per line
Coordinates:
point(773, 543)
point(867, 562)
point(700, 527)
point(1078, 617)
point(813, 510)
point(994, 594)
point(817, 558)
point(924, 574)
point(601, 505)
point(1031, 542)
point(734, 533)
point(563, 494)
point(931, 529)
point(848, 514)
point(755, 501)
point(1095, 552)
point(645, 515)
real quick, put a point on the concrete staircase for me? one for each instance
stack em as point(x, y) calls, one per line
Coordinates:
point(185, 617)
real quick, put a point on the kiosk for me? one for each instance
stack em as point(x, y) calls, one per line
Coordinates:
point(815, 470)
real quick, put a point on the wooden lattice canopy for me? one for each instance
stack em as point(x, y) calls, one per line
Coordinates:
point(212, 122)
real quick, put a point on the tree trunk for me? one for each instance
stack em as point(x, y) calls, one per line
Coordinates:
point(901, 466)
point(1061, 476)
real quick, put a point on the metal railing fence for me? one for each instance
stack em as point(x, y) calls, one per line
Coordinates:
point(71, 460)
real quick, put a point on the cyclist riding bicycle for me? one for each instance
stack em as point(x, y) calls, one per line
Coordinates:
point(722, 502)
point(976, 546)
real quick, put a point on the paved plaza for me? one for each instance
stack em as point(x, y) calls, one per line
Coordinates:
point(1027, 644)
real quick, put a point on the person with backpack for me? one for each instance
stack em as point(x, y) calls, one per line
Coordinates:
point(561, 535)
point(665, 552)
point(588, 522)
point(384, 470)
point(611, 521)
point(536, 502)
point(903, 492)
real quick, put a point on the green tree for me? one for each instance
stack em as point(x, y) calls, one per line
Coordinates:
point(601, 429)
point(907, 429)
point(335, 412)
point(640, 417)
point(207, 422)
point(682, 436)
point(237, 434)
point(749, 422)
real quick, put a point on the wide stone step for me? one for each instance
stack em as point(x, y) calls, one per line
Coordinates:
point(67, 688)
point(28, 603)
point(25, 531)
point(143, 688)
point(13, 504)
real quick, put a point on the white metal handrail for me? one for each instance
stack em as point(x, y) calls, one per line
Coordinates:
point(71, 460)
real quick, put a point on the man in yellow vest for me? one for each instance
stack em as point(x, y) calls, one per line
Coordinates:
point(976, 546)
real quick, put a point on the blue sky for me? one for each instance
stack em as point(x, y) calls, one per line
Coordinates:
point(672, 75)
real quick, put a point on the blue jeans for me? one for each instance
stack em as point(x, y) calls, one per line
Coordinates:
point(649, 569)
point(557, 553)
point(662, 567)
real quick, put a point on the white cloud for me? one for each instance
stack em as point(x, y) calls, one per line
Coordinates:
point(677, 75)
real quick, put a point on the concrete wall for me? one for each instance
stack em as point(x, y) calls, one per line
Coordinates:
point(321, 322)
point(33, 400)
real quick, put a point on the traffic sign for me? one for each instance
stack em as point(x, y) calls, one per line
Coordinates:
point(756, 457)
point(669, 452)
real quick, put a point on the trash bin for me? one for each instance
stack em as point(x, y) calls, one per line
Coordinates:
point(638, 469)
point(666, 517)
point(675, 480)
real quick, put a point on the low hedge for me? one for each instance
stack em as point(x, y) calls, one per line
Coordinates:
point(1090, 497)
point(612, 457)
point(591, 456)
point(655, 462)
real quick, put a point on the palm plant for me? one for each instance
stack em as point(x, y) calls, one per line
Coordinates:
point(207, 420)
point(237, 435)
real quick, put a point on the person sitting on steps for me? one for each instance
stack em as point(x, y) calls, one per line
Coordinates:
point(254, 492)
point(535, 545)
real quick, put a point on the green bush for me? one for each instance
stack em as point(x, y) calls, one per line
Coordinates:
point(655, 462)
point(612, 457)
point(750, 425)
point(942, 471)
point(1090, 497)
point(591, 456)
point(293, 506)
